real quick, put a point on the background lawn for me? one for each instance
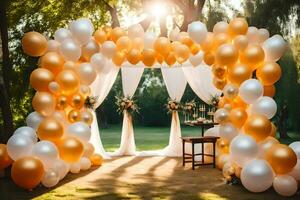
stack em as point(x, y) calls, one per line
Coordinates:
point(151, 138)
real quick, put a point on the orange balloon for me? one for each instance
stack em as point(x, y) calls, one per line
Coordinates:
point(240, 42)
point(40, 79)
point(27, 172)
point(238, 117)
point(238, 171)
point(148, 57)
point(170, 59)
point(219, 39)
point(134, 56)
point(116, 33)
point(238, 103)
point(76, 101)
point(52, 61)
point(5, 160)
point(268, 73)
point(74, 116)
point(118, 58)
point(162, 45)
point(124, 44)
point(282, 158)
point(207, 44)
point(186, 40)
point(194, 49)
point(238, 74)
point(237, 26)
point(50, 129)
point(100, 36)
point(182, 53)
point(61, 102)
point(87, 117)
point(159, 58)
point(44, 103)
point(219, 71)
point(222, 145)
point(223, 101)
point(221, 160)
point(138, 43)
point(226, 54)
point(219, 83)
point(252, 56)
point(269, 90)
point(96, 160)
point(258, 126)
point(88, 150)
point(34, 44)
point(68, 81)
point(209, 58)
point(70, 149)
point(273, 130)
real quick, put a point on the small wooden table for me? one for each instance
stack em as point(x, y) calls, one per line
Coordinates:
point(202, 125)
point(187, 158)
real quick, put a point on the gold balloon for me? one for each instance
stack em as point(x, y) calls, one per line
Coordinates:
point(219, 83)
point(108, 31)
point(100, 36)
point(76, 101)
point(219, 71)
point(5, 160)
point(134, 56)
point(237, 26)
point(74, 116)
point(70, 149)
point(159, 58)
point(268, 73)
point(238, 74)
point(240, 42)
point(209, 58)
point(273, 131)
point(162, 45)
point(87, 117)
point(27, 172)
point(258, 126)
point(226, 54)
point(118, 58)
point(219, 39)
point(96, 160)
point(238, 117)
point(138, 43)
point(50, 129)
point(282, 158)
point(252, 56)
point(148, 57)
point(266, 144)
point(221, 159)
point(44, 103)
point(182, 53)
point(238, 103)
point(269, 90)
point(34, 44)
point(222, 145)
point(52, 61)
point(207, 44)
point(40, 79)
point(88, 150)
point(194, 49)
point(186, 40)
point(124, 44)
point(116, 33)
point(68, 81)
point(61, 102)
point(170, 59)
point(238, 171)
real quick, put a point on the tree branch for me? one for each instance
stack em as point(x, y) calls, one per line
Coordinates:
point(113, 13)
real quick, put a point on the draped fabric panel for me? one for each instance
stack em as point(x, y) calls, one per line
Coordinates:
point(100, 88)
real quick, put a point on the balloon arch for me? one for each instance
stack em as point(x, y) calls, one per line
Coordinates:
point(79, 66)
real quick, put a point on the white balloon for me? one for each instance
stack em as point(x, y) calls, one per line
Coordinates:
point(80, 130)
point(265, 145)
point(296, 171)
point(62, 34)
point(252, 35)
point(174, 34)
point(197, 59)
point(34, 119)
point(98, 61)
point(28, 132)
point(82, 29)
point(230, 91)
point(89, 49)
point(61, 167)
point(149, 39)
point(19, 146)
point(46, 151)
point(296, 147)
point(51, 178)
point(75, 168)
point(108, 49)
point(263, 35)
point(265, 106)
point(285, 185)
point(53, 46)
point(85, 163)
point(197, 31)
point(87, 73)
point(243, 149)
point(70, 50)
point(221, 115)
point(228, 131)
point(214, 131)
point(257, 176)
point(220, 27)
point(251, 90)
point(136, 31)
point(274, 48)
point(54, 87)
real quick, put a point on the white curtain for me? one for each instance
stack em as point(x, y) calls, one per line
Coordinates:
point(100, 88)
point(200, 80)
point(130, 79)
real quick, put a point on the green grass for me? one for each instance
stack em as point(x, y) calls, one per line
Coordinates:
point(151, 138)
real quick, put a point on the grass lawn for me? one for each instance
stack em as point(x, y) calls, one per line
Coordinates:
point(151, 138)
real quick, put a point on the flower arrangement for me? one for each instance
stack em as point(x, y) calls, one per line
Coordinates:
point(214, 100)
point(189, 107)
point(126, 103)
point(90, 102)
point(173, 105)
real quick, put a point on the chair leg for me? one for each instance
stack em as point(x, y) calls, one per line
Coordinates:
point(214, 154)
point(193, 156)
point(202, 148)
point(183, 153)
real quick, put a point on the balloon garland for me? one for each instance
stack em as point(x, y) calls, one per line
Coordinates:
point(243, 62)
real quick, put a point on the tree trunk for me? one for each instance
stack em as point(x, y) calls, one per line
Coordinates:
point(6, 73)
